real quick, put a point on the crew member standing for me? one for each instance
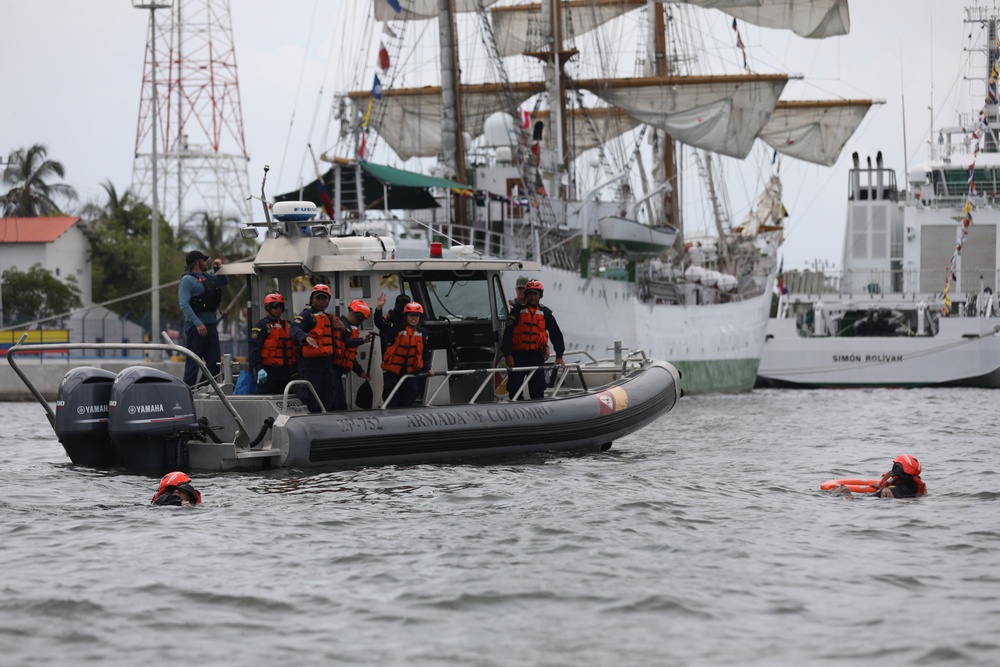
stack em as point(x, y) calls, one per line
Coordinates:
point(272, 348)
point(526, 341)
point(347, 342)
point(199, 295)
point(407, 353)
point(313, 328)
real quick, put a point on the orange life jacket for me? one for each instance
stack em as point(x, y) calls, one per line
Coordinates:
point(345, 355)
point(406, 354)
point(322, 333)
point(279, 346)
point(530, 334)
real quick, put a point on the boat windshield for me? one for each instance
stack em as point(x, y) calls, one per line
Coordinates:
point(451, 296)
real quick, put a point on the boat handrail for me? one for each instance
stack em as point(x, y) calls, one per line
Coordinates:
point(531, 370)
point(242, 436)
point(306, 383)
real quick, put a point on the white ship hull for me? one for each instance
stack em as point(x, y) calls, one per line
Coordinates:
point(717, 347)
point(965, 352)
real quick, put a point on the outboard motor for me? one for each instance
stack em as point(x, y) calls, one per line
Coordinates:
point(151, 417)
point(82, 416)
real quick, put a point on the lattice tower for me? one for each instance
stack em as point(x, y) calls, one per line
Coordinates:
point(201, 148)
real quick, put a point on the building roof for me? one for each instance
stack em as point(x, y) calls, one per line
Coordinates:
point(35, 230)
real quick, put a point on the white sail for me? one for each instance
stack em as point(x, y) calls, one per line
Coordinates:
point(520, 29)
point(722, 114)
point(419, 10)
point(814, 131)
point(410, 119)
point(815, 19)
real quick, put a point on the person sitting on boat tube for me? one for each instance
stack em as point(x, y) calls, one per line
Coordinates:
point(313, 330)
point(175, 489)
point(272, 348)
point(526, 341)
point(347, 342)
point(199, 294)
point(903, 481)
point(407, 353)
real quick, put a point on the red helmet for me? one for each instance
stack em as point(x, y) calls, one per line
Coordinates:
point(174, 480)
point(361, 308)
point(534, 286)
point(908, 464)
point(273, 298)
point(413, 307)
point(320, 289)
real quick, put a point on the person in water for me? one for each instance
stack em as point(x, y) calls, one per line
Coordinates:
point(903, 481)
point(175, 489)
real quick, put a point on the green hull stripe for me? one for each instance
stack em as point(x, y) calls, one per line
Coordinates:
point(727, 376)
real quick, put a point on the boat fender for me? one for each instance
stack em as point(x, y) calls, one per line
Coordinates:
point(855, 485)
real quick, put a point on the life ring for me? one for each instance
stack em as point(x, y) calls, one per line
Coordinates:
point(855, 485)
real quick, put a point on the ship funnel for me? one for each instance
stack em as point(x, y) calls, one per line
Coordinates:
point(878, 175)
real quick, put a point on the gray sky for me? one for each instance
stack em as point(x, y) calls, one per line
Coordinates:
point(70, 76)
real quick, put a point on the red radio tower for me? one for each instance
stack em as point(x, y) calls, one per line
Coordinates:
point(202, 159)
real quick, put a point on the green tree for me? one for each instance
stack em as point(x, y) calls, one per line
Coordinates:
point(36, 294)
point(120, 256)
point(31, 196)
point(217, 236)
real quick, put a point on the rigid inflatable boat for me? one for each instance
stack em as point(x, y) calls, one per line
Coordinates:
point(150, 422)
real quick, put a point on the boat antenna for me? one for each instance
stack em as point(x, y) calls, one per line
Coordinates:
point(263, 201)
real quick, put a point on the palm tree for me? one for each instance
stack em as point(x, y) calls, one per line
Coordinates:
point(215, 236)
point(31, 197)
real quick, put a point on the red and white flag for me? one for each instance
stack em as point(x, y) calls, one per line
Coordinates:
point(525, 119)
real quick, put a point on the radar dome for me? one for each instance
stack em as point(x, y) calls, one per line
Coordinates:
point(500, 130)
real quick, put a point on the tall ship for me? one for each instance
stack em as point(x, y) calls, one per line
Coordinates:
point(915, 302)
point(580, 134)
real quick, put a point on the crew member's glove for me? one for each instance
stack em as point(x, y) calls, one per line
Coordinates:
point(261, 376)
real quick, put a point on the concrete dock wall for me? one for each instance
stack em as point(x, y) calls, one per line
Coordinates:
point(46, 374)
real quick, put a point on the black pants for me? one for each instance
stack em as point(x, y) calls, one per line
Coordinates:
point(536, 385)
point(319, 371)
point(407, 393)
point(277, 378)
point(338, 379)
point(206, 347)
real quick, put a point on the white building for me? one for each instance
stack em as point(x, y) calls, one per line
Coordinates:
point(58, 244)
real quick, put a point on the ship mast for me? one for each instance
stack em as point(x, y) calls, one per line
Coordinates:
point(660, 69)
point(452, 137)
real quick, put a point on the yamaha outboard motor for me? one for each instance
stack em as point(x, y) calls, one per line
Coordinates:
point(82, 416)
point(151, 417)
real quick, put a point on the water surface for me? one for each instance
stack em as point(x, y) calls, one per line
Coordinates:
point(701, 540)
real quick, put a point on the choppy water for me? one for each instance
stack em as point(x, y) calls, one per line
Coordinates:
point(702, 540)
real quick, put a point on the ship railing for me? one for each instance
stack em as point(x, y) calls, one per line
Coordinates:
point(242, 438)
point(879, 284)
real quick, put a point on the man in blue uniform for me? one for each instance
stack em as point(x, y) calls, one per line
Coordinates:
point(313, 329)
point(526, 341)
point(272, 348)
point(199, 295)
